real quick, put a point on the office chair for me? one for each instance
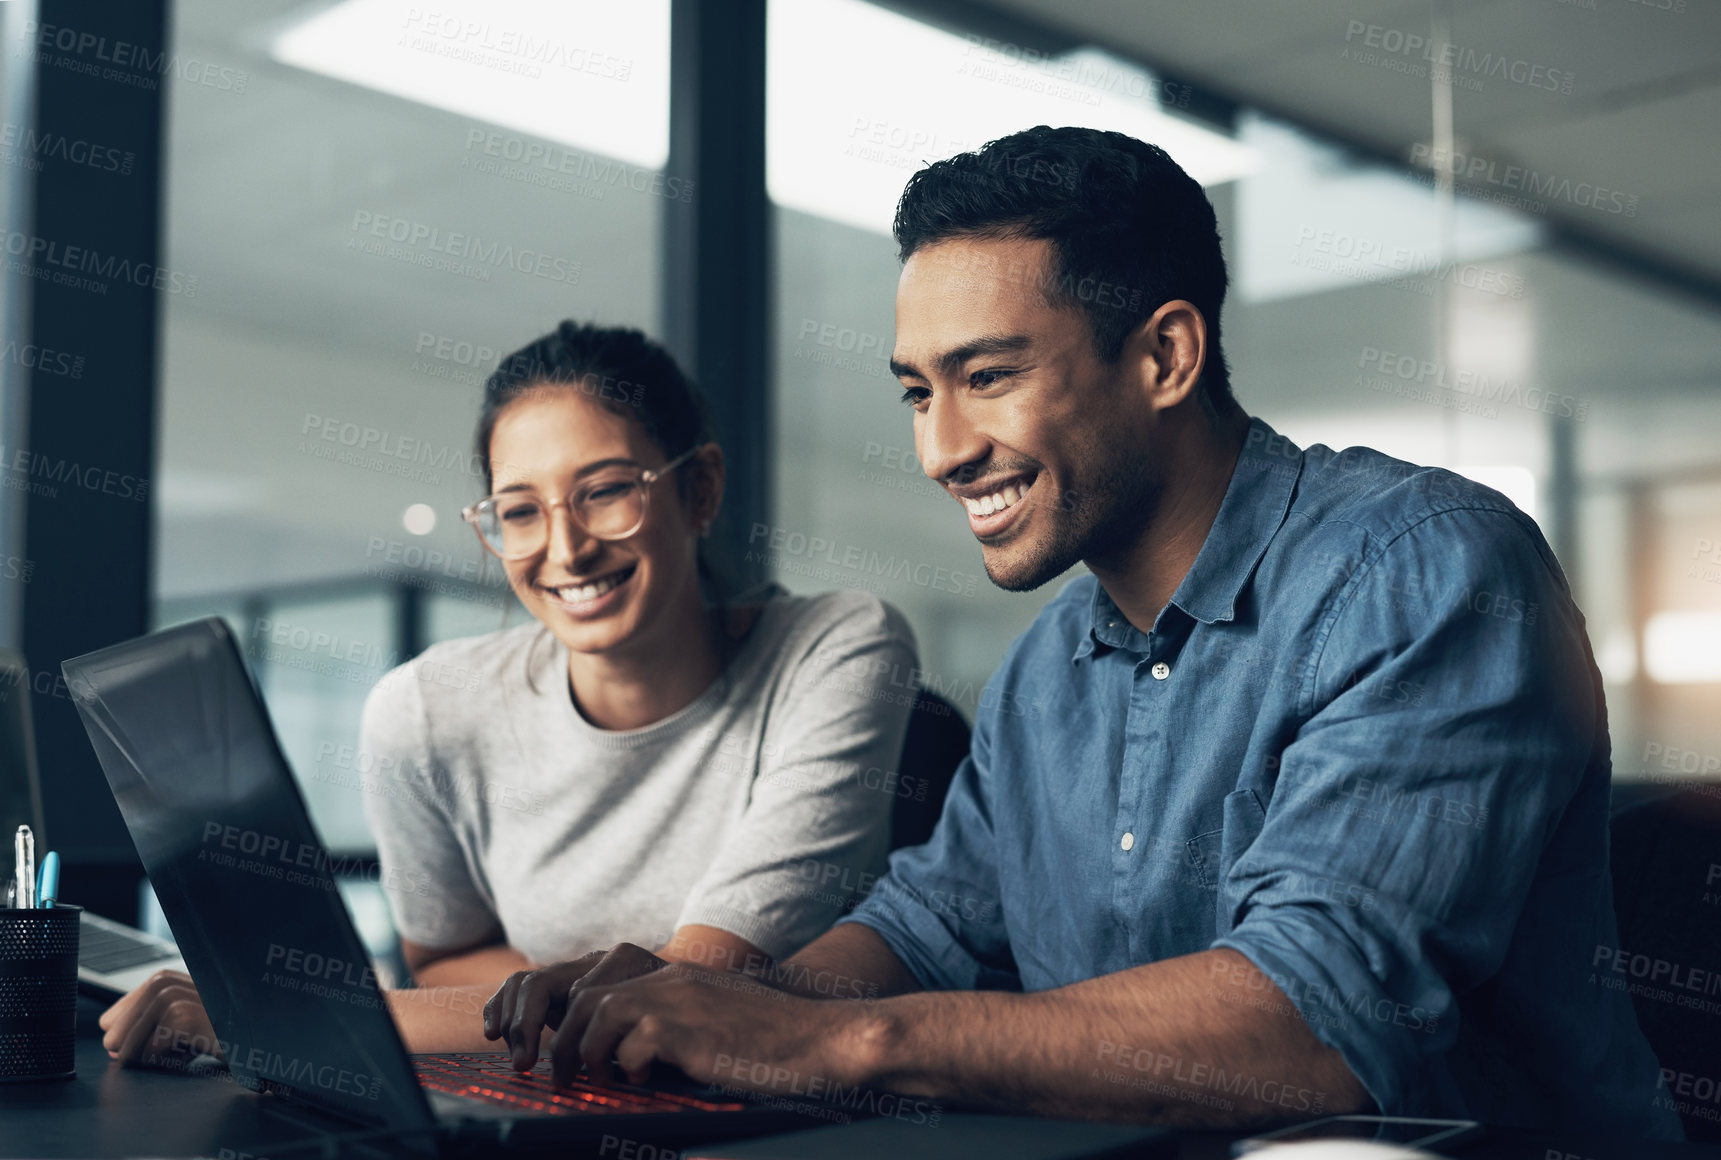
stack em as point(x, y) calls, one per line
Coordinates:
point(935, 745)
point(1667, 896)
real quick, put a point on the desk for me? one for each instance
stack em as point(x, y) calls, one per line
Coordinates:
point(109, 1111)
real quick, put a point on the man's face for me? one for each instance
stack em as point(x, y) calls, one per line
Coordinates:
point(1045, 445)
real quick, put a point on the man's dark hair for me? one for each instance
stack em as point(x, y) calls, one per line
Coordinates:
point(1131, 230)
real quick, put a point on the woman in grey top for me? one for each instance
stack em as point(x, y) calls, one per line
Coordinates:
point(641, 763)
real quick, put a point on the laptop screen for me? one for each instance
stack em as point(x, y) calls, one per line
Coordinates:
point(242, 877)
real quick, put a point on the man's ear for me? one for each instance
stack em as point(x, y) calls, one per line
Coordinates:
point(1170, 350)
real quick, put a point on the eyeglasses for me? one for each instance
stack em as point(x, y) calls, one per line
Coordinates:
point(609, 506)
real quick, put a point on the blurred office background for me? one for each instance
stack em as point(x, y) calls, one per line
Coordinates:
point(1549, 321)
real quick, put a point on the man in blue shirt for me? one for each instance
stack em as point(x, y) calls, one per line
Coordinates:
point(1296, 805)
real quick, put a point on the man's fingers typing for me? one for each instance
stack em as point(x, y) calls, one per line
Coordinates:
point(566, 1051)
point(538, 1001)
point(624, 961)
point(538, 993)
point(644, 1042)
point(501, 1005)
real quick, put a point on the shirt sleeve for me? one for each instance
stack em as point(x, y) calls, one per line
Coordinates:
point(939, 908)
point(817, 823)
point(1451, 717)
point(432, 893)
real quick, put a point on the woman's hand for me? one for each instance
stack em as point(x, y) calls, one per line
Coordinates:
point(159, 1023)
point(530, 1001)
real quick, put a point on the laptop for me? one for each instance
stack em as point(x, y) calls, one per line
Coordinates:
point(251, 896)
point(112, 957)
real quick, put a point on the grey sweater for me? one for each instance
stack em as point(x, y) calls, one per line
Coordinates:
point(760, 808)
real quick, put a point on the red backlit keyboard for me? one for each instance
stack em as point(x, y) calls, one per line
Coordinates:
point(492, 1077)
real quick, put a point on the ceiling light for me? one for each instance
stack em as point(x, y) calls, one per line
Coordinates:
point(419, 519)
point(859, 98)
point(587, 73)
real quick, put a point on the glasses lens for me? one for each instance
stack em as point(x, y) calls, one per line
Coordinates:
point(513, 525)
point(612, 506)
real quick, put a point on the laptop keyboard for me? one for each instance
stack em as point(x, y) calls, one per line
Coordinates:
point(106, 950)
point(492, 1077)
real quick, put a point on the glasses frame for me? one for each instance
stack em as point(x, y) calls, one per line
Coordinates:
point(472, 513)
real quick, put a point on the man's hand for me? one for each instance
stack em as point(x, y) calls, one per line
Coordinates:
point(529, 1001)
point(702, 1021)
point(1089, 1050)
point(161, 1022)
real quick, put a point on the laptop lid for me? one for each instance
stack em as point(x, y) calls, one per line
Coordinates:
point(244, 881)
point(20, 791)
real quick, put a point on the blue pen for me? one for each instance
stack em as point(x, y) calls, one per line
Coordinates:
point(48, 886)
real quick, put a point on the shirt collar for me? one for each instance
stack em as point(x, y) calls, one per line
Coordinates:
point(1109, 627)
point(1253, 510)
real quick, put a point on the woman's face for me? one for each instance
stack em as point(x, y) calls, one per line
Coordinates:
point(545, 443)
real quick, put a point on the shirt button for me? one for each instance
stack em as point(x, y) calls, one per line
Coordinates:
point(1128, 842)
point(1161, 671)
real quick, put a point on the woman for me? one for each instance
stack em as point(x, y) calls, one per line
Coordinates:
point(644, 762)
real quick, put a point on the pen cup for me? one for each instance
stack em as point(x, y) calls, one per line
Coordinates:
point(38, 992)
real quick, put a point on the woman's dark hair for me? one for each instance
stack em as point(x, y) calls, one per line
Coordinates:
point(1132, 231)
point(619, 369)
point(627, 374)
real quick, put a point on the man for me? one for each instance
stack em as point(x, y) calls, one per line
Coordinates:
point(1296, 805)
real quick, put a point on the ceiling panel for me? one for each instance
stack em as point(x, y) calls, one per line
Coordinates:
point(1642, 111)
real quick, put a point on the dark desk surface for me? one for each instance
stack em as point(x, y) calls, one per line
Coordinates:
point(109, 1111)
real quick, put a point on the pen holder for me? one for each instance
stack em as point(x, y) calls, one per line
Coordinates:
point(38, 992)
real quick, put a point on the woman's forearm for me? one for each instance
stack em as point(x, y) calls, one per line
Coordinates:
point(708, 946)
point(484, 966)
point(437, 1019)
point(445, 1012)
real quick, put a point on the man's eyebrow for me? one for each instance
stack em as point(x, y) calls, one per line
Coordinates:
point(951, 360)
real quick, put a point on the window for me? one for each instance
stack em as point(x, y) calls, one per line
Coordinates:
point(382, 200)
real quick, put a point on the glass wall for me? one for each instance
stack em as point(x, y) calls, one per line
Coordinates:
point(378, 202)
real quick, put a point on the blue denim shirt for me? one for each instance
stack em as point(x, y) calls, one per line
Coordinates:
point(1365, 746)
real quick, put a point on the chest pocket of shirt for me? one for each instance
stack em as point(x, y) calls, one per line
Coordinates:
point(1213, 853)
